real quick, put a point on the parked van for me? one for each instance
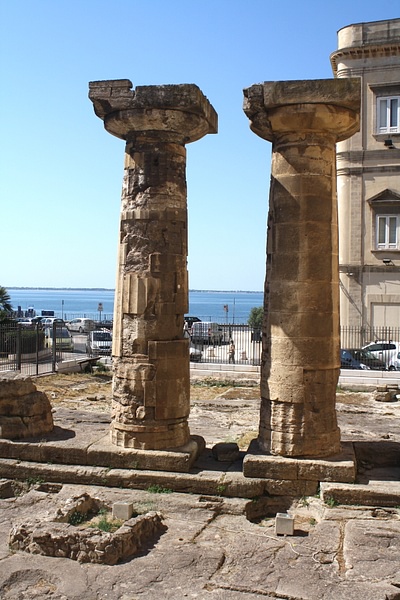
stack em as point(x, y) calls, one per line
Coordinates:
point(99, 342)
point(206, 332)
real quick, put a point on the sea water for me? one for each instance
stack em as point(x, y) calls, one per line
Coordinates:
point(219, 306)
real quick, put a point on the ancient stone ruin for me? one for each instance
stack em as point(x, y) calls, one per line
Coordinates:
point(65, 536)
point(150, 357)
point(300, 361)
point(24, 412)
point(299, 439)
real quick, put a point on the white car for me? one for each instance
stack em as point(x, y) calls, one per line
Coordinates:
point(81, 325)
point(49, 322)
point(25, 322)
point(389, 352)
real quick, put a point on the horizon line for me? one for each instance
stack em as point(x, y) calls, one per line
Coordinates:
point(17, 287)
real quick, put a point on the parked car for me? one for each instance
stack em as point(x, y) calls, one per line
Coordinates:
point(38, 320)
point(190, 320)
point(25, 322)
point(49, 321)
point(206, 332)
point(358, 358)
point(386, 351)
point(81, 325)
point(105, 324)
point(99, 343)
point(64, 339)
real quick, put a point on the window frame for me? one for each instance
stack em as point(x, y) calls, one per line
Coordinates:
point(386, 244)
point(387, 128)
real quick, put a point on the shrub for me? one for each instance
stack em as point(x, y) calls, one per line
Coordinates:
point(256, 317)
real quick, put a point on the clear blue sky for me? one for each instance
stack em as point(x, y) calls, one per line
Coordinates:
point(61, 173)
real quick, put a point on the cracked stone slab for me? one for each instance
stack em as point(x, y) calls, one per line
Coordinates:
point(29, 576)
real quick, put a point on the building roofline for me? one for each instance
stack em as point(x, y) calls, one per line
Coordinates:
point(368, 23)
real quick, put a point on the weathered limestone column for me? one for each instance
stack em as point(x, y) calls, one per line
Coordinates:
point(151, 400)
point(301, 341)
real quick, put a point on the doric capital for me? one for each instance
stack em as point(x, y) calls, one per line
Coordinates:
point(328, 106)
point(179, 110)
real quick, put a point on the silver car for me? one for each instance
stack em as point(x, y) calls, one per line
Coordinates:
point(387, 351)
point(81, 325)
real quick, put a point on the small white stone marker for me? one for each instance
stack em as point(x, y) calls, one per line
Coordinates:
point(122, 510)
point(284, 524)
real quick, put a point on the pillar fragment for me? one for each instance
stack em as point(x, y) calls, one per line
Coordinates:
point(150, 405)
point(301, 341)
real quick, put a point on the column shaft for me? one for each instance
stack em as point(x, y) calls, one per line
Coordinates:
point(301, 341)
point(151, 403)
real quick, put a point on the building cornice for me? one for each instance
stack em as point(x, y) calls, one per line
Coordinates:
point(358, 170)
point(361, 52)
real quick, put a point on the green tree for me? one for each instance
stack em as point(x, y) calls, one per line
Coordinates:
point(256, 317)
point(5, 303)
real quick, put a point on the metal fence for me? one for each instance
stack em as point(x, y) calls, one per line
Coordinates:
point(31, 351)
point(236, 344)
point(26, 349)
point(357, 337)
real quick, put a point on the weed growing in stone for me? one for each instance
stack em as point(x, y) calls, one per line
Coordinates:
point(76, 518)
point(34, 481)
point(107, 525)
point(158, 489)
point(331, 502)
point(304, 501)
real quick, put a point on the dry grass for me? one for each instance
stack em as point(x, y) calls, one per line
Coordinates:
point(92, 388)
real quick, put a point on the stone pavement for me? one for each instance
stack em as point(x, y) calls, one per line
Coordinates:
point(215, 546)
point(210, 550)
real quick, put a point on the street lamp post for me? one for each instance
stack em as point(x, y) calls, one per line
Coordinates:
point(226, 309)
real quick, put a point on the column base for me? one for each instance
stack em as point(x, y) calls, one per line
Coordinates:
point(339, 467)
point(150, 437)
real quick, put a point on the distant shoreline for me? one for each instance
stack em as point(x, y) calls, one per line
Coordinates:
point(99, 289)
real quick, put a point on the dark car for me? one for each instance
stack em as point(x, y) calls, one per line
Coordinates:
point(357, 358)
point(190, 320)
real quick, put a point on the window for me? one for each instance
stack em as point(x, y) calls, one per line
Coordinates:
point(387, 232)
point(388, 114)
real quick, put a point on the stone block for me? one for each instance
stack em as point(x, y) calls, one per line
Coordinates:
point(137, 291)
point(6, 488)
point(122, 510)
point(226, 452)
point(340, 467)
point(103, 452)
point(284, 524)
point(295, 488)
point(381, 493)
point(24, 412)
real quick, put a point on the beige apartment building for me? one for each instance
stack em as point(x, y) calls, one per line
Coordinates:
point(368, 178)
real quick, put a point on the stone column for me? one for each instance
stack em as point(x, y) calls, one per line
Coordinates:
point(151, 401)
point(301, 341)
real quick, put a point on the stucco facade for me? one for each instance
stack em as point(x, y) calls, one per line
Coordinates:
point(368, 177)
